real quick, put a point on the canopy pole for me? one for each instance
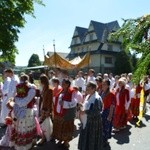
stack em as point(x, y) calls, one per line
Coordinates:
point(43, 51)
point(54, 53)
point(45, 70)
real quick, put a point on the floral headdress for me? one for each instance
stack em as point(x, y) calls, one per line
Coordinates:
point(22, 90)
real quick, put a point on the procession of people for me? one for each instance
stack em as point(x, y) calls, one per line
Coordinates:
point(34, 114)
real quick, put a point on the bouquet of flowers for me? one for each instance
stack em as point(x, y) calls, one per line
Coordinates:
point(22, 90)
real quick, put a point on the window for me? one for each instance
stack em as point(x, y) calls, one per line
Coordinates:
point(108, 60)
point(108, 69)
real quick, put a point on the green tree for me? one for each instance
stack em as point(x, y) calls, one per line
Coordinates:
point(34, 61)
point(135, 35)
point(12, 18)
point(123, 63)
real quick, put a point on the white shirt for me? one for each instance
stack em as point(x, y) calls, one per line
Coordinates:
point(80, 82)
point(91, 78)
point(12, 86)
point(6, 84)
point(66, 104)
point(112, 82)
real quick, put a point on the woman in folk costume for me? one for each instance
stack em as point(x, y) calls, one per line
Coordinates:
point(45, 110)
point(109, 102)
point(121, 110)
point(91, 132)
point(23, 128)
point(65, 113)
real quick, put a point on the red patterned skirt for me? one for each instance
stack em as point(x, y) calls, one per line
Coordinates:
point(62, 130)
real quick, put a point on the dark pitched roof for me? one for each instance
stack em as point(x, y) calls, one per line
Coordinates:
point(81, 32)
point(98, 28)
point(103, 29)
point(113, 26)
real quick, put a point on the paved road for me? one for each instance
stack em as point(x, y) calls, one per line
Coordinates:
point(131, 138)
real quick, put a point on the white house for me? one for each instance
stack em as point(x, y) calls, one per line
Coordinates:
point(94, 39)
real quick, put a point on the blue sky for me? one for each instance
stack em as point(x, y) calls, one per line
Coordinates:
point(57, 20)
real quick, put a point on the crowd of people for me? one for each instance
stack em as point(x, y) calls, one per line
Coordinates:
point(35, 114)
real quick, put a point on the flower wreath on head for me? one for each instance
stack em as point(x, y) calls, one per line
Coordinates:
point(22, 90)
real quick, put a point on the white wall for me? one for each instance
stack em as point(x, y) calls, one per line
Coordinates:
point(90, 27)
point(95, 60)
point(116, 47)
point(78, 41)
point(87, 38)
point(105, 46)
point(75, 33)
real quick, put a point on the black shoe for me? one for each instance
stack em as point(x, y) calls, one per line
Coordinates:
point(66, 146)
point(59, 144)
point(53, 140)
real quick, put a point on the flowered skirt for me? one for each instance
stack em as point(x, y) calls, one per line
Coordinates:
point(23, 131)
point(107, 125)
point(62, 130)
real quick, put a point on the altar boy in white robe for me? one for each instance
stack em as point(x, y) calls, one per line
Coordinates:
point(9, 91)
point(5, 90)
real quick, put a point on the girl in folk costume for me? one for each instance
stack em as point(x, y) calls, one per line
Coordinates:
point(135, 101)
point(146, 88)
point(45, 110)
point(121, 110)
point(109, 102)
point(80, 99)
point(56, 91)
point(65, 113)
point(91, 132)
point(23, 128)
